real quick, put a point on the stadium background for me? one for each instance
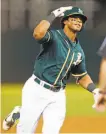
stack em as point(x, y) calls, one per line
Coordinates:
point(19, 50)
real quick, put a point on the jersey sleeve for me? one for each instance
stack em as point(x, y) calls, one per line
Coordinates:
point(79, 70)
point(102, 49)
point(46, 39)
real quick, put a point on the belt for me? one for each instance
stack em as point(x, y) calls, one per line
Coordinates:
point(50, 87)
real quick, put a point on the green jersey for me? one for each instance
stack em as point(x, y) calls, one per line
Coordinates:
point(59, 58)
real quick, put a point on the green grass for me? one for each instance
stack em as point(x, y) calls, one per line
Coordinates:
point(79, 101)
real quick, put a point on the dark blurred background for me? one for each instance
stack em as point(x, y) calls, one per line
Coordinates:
point(19, 49)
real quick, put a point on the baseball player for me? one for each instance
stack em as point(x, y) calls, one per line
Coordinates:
point(101, 102)
point(61, 55)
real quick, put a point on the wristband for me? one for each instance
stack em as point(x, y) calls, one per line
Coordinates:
point(51, 18)
point(91, 87)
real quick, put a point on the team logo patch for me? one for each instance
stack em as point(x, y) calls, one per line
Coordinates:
point(80, 11)
point(78, 60)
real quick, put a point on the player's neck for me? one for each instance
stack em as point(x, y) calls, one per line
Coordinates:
point(70, 34)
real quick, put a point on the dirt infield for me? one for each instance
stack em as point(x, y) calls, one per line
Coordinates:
point(76, 125)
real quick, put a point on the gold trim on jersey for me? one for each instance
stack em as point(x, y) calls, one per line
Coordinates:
point(62, 67)
point(79, 74)
point(47, 39)
point(64, 61)
point(68, 66)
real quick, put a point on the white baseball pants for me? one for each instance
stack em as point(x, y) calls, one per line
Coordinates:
point(37, 101)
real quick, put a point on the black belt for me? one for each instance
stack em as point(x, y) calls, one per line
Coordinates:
point(55, 89)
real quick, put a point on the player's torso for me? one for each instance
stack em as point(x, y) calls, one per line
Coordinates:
point(68, 53)
point(56, 61)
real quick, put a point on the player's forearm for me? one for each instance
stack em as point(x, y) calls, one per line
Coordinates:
point(43, 26)
point(41, 29)
point(87, 83)
point(102, 75)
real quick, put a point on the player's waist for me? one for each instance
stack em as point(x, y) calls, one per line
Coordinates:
point(47, 85)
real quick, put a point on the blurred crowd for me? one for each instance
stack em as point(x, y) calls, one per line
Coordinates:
point(18, 14)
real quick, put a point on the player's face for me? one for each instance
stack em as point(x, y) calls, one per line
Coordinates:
point(74, 23)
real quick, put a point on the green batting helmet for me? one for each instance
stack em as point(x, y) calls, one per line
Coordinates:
point(73, 12)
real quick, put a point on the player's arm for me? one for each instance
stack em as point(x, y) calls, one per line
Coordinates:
point(82, 77)
point(80, 73)
point(42, 28)
point(87, 83)
point(102, 75)
point(101, 101)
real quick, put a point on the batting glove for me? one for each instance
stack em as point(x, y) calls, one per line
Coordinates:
point(100, 101)
point(96, 95)
point(60, 11)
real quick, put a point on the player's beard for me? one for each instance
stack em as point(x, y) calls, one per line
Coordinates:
point(74, 30)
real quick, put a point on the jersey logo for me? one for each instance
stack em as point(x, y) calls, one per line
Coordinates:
point(78, 59)
point(80, 11)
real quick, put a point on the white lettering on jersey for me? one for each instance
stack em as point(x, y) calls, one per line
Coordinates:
point(78, 59)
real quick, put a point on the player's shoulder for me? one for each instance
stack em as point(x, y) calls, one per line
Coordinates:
point(80, 47)
point(79, 44)
point(51, 32)
point(55, 32)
